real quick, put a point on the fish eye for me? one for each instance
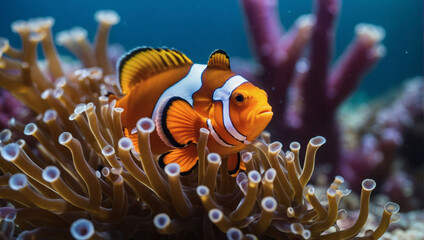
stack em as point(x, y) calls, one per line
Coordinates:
point(239, 98)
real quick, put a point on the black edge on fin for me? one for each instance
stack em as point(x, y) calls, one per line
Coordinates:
point(235, 170)
point(164, 127)
point(162, 165)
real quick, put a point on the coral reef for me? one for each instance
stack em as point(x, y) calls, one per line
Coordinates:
point(11, 108)
point(83, 179)
point(383, 138)
point(304, 90)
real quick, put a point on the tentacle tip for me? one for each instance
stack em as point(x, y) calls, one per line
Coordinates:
point(290, 212)
point(58, 93)
point(109, 17)
point(392, 207)
point(105, 172)
point(125, 143)
point(215, 215)
point(47, 93)
point(19, 26)
point(306, 234)
point(172, 169)
point(80, 108)
point(269, 204)
point(78, 34)
point(161, 220)
point(145, 125)
point(40, 24)
point(5, 135)
point(63, 38)
point(108, 150)
point(341, 214)
point(275, 147)
point(317, 141)
point(246, 157)
point(368, 184)
point(21, 143)
point(82, 229)
point(234, 234)
point(214, 158)
point(202, 190)
point(51, 173)
point(331, 192)
point(10, 152)
point(18, 181)
point(289, 156)
point(270, 174)
point(254, 176)
point(297, 228)
point(339, 179)
point(118, 110)
point(294, 146)
point(49, 115)
point(64, 138)
point(310, 190)
point(241, 177)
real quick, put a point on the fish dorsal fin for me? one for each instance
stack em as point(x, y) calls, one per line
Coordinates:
point(144, 62)
point(219, 59)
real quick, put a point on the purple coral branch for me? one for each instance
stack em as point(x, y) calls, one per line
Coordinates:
point(291, 48)
point(359, 57)
point(321, 44)
point(265, 27)
point(303, 89)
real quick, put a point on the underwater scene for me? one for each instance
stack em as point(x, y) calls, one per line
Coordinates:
point(225, 119)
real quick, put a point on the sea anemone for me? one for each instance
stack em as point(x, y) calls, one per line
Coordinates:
point(84, 179)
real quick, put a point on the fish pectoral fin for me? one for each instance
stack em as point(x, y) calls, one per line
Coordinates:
point(219, 59)
point(234, 164)
point(178, 123)
point(144, 62)
point(186, 157)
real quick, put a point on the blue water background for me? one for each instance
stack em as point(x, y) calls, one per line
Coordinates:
point(197, 27)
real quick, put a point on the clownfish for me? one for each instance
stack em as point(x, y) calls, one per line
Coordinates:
point(182, 97)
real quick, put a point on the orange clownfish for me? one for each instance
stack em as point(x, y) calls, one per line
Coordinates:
point(182, 97)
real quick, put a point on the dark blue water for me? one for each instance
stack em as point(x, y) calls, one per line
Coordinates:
point(197, 27)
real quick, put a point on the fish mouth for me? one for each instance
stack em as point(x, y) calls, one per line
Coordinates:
point(265, 110)
point(263, 117)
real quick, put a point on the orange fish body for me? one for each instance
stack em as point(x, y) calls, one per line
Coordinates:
point(182, 97)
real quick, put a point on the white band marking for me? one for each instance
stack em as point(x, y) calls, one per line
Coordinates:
point(223, 94)
point(215, 135)
point(185, 88)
